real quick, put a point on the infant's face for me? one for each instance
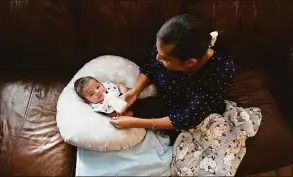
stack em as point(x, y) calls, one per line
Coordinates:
point(93, 92)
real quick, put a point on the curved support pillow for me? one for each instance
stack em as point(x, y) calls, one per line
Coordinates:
point(79, 125)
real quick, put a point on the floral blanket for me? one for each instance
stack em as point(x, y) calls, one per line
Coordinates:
point(216, 146)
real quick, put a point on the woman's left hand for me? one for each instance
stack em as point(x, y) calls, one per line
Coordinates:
point(123, 122)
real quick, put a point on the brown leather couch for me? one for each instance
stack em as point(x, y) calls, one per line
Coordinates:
point(44, 42)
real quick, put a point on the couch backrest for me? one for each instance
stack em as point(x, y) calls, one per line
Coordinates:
point(37, 36)
point(43, 35)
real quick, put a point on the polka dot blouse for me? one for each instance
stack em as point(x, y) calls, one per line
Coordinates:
point(190, 97)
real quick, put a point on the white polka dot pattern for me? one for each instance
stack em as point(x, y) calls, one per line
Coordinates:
point(191, 97)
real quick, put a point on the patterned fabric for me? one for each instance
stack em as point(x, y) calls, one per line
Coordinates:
point(101, 106)
point(216, 146)
point(191, 97)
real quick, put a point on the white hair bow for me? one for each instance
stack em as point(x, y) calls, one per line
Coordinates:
point(214, 35)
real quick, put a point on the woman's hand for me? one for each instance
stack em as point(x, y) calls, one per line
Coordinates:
point(123, 122)
point(130, 97)
point(134, 122)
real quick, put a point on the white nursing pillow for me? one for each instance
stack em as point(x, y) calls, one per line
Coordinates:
point(79, 125)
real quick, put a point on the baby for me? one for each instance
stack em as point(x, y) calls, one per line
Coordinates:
point(92, 92)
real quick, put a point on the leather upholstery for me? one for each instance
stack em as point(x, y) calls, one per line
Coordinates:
point(30, 141)
point(37, 36)
point(273, 142)
point(44, 42)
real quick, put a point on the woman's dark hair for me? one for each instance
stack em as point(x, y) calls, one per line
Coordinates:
point(80, 83)
point(191, 39)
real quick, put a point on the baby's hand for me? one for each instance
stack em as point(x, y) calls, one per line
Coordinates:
point(125, 113)
point(119, 114)
point(113, 114)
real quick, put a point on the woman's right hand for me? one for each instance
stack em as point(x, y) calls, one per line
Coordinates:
point(130, 97)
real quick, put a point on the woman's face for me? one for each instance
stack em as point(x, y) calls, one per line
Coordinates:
point(170, 62)
point(93, 91)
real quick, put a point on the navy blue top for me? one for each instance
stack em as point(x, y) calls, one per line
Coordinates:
point(191, 97)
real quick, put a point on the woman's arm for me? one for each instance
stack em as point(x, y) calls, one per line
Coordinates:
point(141, 83)
point(134, 122)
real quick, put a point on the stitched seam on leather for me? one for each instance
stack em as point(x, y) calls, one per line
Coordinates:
point(22, 123)
point(73, 162)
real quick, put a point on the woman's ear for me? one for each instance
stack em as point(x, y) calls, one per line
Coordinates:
point(191, 62)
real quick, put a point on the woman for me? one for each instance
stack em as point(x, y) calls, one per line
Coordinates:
point(191, 76)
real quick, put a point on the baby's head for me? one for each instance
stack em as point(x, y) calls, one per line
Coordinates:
point(89, 89)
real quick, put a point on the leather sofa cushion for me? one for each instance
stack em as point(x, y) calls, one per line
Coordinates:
point(30, 142)
point(272, 145)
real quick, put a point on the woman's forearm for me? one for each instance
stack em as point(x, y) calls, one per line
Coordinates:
point(159, 123)
point(141, 83)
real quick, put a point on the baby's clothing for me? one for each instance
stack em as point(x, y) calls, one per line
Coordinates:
point(102, 106)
